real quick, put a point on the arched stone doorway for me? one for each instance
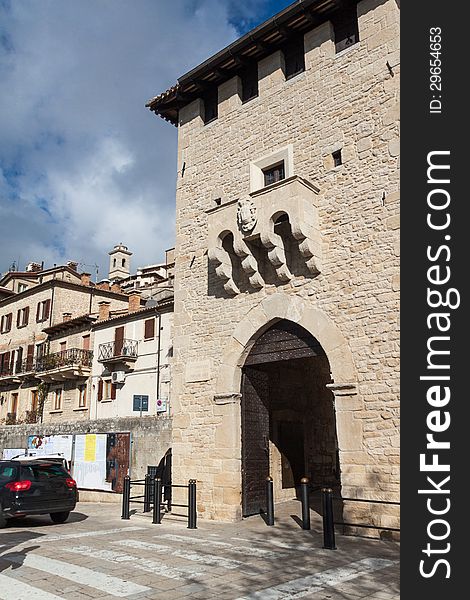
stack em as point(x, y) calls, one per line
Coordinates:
point(287, 415)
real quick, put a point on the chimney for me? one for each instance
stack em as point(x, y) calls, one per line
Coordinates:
point(66, 316)
point(134, 301)
point(115, 287)
point(103, 310)
point(85, 279)
point(103, 285)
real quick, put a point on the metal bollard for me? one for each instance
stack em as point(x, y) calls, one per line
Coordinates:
point(147, 493)
point(126, 497)
point(192, 512)
point(168, 494)
point(305, 503)
point(157, 496)
point(269, 501)
point(328, 519)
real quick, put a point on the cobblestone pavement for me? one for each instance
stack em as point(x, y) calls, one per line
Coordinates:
point(97, 555)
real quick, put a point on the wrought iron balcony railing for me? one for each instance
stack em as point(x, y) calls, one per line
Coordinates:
point(65, 358)
point(117, 350)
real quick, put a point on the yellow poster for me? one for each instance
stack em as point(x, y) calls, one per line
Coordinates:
point(90, 448)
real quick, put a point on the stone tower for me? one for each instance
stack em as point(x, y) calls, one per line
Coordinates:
point(287, 273)
point(119, 262)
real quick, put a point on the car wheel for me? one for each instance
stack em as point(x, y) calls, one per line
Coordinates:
point(60, 517)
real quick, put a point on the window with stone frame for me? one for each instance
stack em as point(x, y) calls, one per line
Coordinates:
point(43, 310)
point(274, 173)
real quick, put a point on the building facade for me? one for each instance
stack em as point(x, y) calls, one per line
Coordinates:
point(287, 260)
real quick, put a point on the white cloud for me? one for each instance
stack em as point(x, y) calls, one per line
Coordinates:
point(83, 163)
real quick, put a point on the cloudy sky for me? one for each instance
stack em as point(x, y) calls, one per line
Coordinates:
point(83, 164)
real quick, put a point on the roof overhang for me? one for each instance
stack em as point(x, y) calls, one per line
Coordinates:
point(299, 17)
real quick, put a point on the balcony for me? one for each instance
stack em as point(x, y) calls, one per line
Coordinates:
point(73, 363)
point(118, 352)
point(16, 372)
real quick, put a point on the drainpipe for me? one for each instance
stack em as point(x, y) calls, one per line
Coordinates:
point(158, 353)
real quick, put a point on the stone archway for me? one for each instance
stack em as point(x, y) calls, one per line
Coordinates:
point(343, 373)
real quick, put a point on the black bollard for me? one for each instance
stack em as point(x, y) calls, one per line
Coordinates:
point(269, 501)
point(147, 493)
point(157, 496)
point(305, 503)
point(328, 519)
point(192, 513)
point(126, 497)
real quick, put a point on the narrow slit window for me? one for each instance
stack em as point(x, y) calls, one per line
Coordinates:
point(346, 28)
point(274, 173)
point(210, 101)
point(337, 158)
point(294, 57)
point(249, 77)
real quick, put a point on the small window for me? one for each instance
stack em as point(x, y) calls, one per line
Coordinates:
point(114, 262)
point(274, 173)
point(82, 396)
point(43, 311)
point(294, 57)
point(337, 158)
point(249, 77)
point(22, 317)
point(58, 399)
point(210, 100)
point(123, 262)
point(6, 323)
point(22, 287)
point(63, 346)
point(346, 28)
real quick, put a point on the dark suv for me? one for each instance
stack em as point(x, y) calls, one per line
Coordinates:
point(35, 487)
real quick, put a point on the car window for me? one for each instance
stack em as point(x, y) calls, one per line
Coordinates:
point(7, 473)
point(43, 472)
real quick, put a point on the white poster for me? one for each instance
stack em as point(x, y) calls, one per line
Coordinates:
point(89, 464)
point(39, 445)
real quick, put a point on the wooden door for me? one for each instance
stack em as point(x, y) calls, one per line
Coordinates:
point(255, 440)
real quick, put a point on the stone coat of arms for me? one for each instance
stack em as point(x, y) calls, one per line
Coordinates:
point(246, 215)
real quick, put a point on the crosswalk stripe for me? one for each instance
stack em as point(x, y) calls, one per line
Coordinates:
point(70, 536)
point(312, 584)
point(82, 575)
point(276, 543)
point(142, 564)
point(247, 550)
point(207, 559)
point(13, 589)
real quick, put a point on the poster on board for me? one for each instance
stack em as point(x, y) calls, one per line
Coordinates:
point(39, 445)
point(89, 464)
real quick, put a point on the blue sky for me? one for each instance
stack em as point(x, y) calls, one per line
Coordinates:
point(83, 164)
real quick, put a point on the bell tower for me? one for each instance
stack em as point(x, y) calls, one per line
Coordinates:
point(119, 262)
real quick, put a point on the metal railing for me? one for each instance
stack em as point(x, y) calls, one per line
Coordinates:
point(69, 357)
point(153, 489)
point(110, 350)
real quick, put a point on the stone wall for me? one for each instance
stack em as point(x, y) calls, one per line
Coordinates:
point(346, 101)
point(150, 438)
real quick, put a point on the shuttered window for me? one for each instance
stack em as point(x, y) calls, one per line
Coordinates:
point(100, 389)
point(22, 317)
point(6, 323)
point(43, 310)
point(149, 329)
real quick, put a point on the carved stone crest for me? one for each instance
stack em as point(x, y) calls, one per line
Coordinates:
point(246, 215)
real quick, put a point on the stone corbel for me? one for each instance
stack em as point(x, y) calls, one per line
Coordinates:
point(309, 244)
point(223, 269)
point(276, 254)
point(248, 262)
point(343, 389)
